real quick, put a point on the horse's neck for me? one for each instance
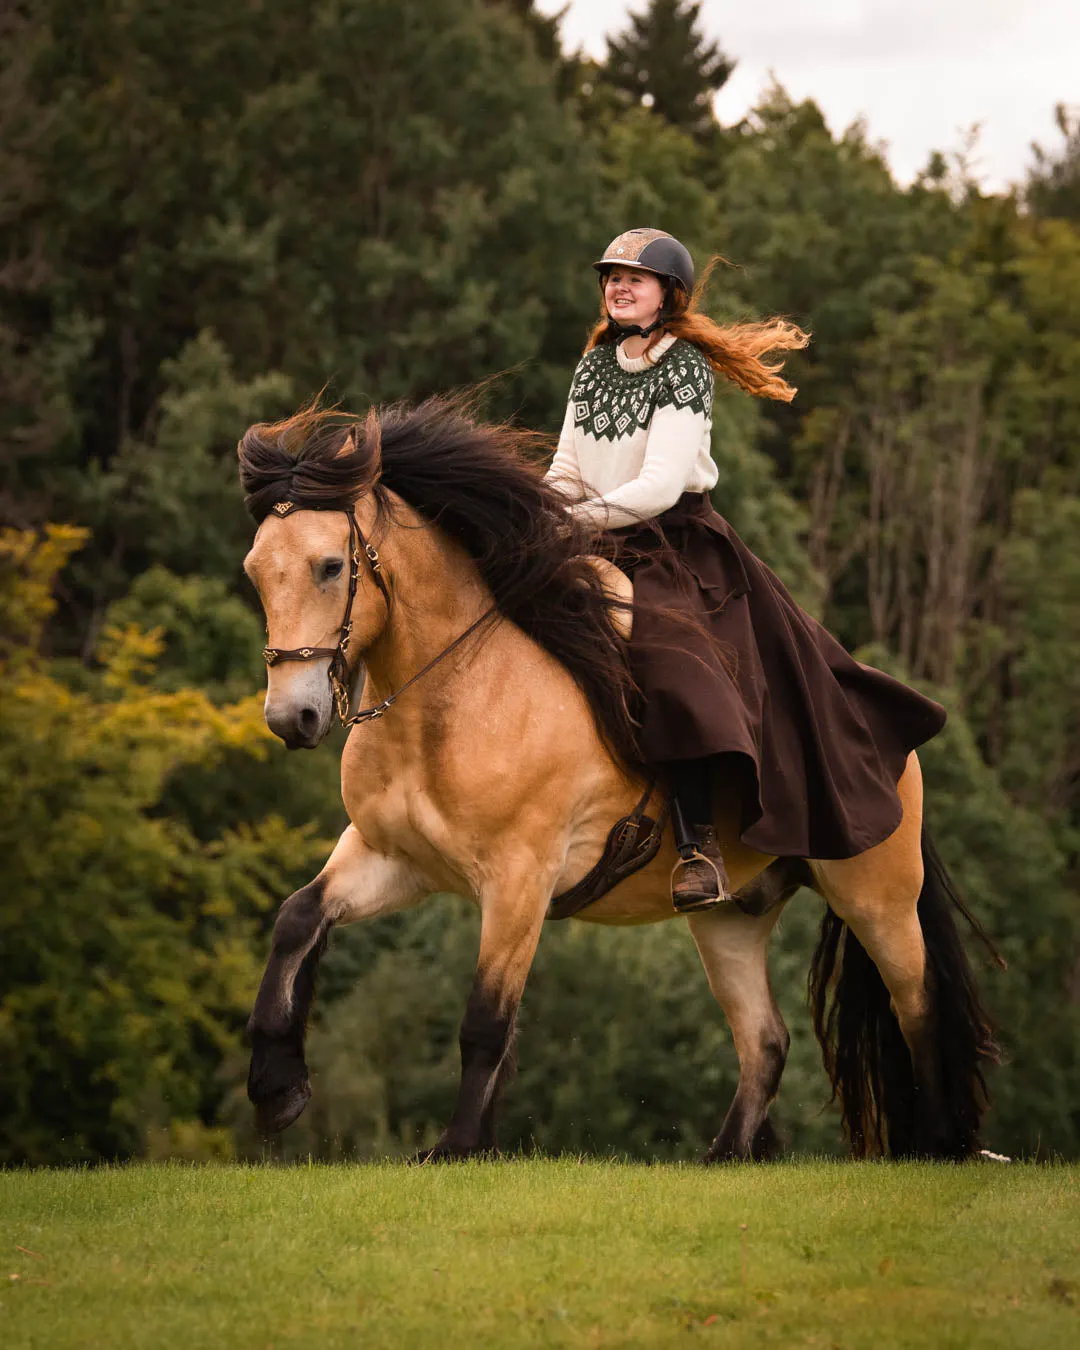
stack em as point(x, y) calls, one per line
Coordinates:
point(437, 593)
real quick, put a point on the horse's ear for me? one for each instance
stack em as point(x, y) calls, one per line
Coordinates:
point(364, 444)
point(373, 440)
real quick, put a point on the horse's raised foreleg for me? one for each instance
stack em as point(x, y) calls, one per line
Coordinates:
point(513, 906)
point(733, 948)
point(356, 883)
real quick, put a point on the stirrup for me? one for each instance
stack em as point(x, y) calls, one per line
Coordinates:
point(694, 904)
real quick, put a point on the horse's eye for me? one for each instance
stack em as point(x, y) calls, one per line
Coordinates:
point(332, 569)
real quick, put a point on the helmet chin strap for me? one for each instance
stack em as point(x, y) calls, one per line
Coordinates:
point(635, 329)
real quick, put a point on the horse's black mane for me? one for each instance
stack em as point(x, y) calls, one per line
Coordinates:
point(481, 486)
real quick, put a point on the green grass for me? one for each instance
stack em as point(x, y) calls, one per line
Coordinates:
point(541, 1253)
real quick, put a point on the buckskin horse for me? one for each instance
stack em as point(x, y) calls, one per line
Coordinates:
point(417, 559)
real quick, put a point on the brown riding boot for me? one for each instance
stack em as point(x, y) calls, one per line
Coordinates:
point(699, 880)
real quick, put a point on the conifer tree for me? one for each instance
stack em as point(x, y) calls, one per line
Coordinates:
point(664, 60)
point(1053, 186)
point(544, 28)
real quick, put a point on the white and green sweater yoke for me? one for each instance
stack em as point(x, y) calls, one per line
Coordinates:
point(637, 432)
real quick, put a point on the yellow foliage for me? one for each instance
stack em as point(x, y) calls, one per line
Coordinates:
point(131, 943)
point(129, 654)
point(29, 564)
point(189, 1141)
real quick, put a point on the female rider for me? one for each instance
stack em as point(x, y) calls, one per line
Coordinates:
point(739, 685)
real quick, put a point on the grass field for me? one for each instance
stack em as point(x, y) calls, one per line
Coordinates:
point(541, 1253)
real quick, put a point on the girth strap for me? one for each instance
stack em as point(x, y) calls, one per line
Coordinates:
point(633, 842)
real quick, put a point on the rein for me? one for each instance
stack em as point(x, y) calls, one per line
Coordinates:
point(338, 670)
point(377, 710)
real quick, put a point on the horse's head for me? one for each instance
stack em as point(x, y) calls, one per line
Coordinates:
point(468, 523)
point(324, 598)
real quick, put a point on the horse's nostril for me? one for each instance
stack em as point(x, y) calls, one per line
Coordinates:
point(308, 721)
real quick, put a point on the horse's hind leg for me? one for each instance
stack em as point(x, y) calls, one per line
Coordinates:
point(355, 884)
point(921, 1085)
point(884, 1080)
point(883, 1015)
point(733, 948)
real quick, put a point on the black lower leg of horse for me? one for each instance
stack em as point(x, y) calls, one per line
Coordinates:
point(747, 1134)
point(278, 1083)
point(486, 1060)
point(925, 1133)
point(489, 1142)
point(945, 1110)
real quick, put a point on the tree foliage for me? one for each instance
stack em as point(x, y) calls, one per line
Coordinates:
point(128, 955)
point(664, 60)
point(1053, 185)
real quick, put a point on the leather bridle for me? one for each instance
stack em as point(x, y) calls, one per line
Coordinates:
point(338, 670)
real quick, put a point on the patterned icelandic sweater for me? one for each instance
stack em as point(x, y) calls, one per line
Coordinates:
point(636, 433)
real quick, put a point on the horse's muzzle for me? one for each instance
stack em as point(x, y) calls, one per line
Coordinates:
point(300, 743)
point(301, 728)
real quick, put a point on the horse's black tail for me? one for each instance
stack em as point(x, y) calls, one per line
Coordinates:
point(865, 1055)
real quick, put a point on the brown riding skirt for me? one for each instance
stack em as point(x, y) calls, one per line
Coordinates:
point(817, 740)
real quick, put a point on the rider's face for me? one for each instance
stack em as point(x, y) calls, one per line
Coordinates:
point(633, 296)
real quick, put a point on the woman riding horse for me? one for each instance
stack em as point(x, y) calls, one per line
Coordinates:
point(739, 685)
point(421, 578)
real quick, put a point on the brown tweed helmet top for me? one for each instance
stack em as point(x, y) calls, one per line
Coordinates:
point(652, 251)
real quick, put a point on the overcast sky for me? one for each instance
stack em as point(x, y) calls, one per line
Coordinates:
point(920, 72)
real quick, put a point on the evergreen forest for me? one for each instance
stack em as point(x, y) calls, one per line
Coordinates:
point(211, 213)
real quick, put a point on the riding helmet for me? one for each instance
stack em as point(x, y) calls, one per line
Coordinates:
point(652, 251)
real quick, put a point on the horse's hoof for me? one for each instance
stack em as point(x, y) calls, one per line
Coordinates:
point(763, 1147)
point(280, 1109)
point(714, 1157)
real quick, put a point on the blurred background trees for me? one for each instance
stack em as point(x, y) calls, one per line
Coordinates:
point(210, 214)
point(664, 62)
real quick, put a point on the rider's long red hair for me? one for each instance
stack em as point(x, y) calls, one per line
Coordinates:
point(734, 350)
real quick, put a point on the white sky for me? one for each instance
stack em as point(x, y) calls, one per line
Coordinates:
point(920, 72)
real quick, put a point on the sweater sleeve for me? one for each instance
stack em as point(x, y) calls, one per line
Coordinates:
point(565, 470)
point(675, 437)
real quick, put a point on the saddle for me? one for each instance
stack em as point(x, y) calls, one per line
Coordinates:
point(619, 590)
